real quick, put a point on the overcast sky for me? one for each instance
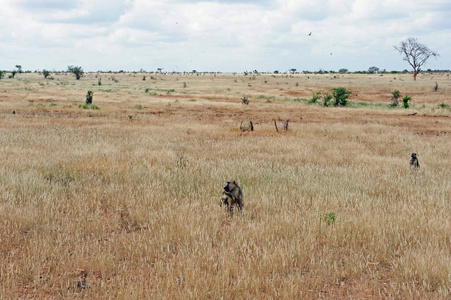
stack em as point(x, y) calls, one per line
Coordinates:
point(221, 35)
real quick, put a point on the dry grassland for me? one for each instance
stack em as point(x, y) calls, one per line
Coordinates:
point(125, 200)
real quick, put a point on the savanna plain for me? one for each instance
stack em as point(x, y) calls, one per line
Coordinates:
point(122, 202)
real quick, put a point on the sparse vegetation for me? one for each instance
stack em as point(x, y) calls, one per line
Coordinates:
point(45, 73)
point(315, 98)
point(97, 205)
point(89, 96)
point(329, 218)
point(327, 99)
point(372, 70)
point(76, 70)
point(396, 94)
point(405, 101)
point(341, 96)
point(87, 106)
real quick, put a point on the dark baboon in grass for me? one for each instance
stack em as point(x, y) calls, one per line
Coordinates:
point(232, 195)
point(414, 161)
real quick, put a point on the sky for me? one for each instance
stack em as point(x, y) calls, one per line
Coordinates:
point(220, 35)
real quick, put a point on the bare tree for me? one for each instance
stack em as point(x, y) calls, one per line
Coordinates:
point(415, 53)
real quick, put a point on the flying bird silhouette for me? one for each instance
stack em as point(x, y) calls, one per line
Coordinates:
point(310, 34)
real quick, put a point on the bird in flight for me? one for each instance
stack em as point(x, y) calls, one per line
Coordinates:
point(310, 34)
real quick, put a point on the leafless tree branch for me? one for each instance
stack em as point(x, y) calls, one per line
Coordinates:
point(415, 53)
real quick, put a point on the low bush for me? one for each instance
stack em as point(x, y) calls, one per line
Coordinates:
point(405, 101)
point(341, 96)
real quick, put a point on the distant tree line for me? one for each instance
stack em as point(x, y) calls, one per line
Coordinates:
point(340, 71)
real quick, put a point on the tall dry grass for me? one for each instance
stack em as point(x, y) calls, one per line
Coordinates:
point(133, 205)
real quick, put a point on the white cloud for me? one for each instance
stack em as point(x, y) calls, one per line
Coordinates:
point(222, 35)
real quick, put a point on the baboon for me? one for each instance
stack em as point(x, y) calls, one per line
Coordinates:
point(414, 161)
point(232, 195)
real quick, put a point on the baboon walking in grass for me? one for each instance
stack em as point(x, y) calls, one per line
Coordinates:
point(414, 161)
point(232, 195)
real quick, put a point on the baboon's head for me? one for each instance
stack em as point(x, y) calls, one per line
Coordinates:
point(414, 156)
point(229, 186)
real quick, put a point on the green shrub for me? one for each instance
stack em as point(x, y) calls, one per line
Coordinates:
point(89, 96)
point(327, 99)
point(315, 98)
point(2, 74)
point(405, 101)
point(329, 218)
point(396, 94)
point(45, 73)
point(340, 95)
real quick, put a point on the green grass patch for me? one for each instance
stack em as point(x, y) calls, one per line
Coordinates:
point(269, 98)
point(86, 106)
